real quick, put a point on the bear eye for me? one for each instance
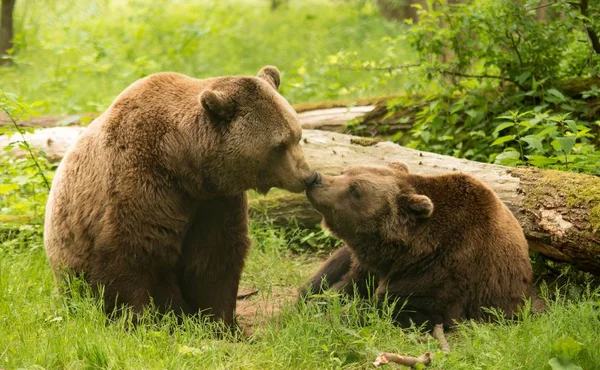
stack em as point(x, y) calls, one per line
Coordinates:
point(280, 148)
point(354, 190)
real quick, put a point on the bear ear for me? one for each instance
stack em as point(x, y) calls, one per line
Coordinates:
point(400, 166)
point(271, 75)
point(219, 108)
point(419, 206)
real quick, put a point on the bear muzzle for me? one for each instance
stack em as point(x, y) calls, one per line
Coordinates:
point(314, 179)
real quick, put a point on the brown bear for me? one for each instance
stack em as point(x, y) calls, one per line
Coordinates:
point(150, 202)
point(445, 245)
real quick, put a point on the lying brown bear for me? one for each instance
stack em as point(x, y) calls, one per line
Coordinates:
point(446, 244)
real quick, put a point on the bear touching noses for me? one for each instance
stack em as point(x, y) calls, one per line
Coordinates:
point(446, 245)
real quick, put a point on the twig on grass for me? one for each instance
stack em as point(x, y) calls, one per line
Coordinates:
point(245, 293)
point(438, 333)
point(386, 357)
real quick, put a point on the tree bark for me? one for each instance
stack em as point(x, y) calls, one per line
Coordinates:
point(6, 29)
point(595, 41)
point(542, 11)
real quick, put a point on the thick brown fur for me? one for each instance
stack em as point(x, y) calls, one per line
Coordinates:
point(446, 245)
point(150, 202)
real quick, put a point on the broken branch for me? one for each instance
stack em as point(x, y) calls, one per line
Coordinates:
point(386, 357)
point(438, 333)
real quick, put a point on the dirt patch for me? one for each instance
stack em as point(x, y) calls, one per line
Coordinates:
point(254, 307)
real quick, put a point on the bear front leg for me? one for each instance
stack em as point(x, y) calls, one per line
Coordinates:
point(213, 255)
point(332, 271)
point(138, 289)
point(358, 278)
point(167, 295)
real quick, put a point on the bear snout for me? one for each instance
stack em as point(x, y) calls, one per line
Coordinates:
point(314, 179)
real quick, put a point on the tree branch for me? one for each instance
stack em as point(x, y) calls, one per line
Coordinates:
point(386, 358)
point(390, 69)
point(515, 45)
point(28, 148)
point(458, 74)
point(583, 7)
point(446, 72)
point(542, 6)
point(438, 333)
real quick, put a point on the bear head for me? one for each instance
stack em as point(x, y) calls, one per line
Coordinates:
point(370, 201)
point(259, 135)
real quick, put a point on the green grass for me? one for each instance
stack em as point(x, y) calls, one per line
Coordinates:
point(40, 329)
point(76, 56)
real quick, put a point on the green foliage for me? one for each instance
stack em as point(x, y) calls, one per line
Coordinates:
point(544, 140)
point(292, 238)
point(42, 329)
point(478, 62)
point(504, 38)
point(503, 42)
point(567, 349)
point(25, 182)
point(76, 56)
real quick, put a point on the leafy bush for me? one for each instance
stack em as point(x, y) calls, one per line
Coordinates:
point(492, 83)
point(24, 182)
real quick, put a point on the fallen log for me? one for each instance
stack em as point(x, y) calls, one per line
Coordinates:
point(335, 113)
point(575, 87)
point(81, 119)
point(54, 141)
point(332, 119)
point(559, 211)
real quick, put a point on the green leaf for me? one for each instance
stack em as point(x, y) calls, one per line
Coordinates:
point(566, 143)
point(472, 113)
point(503, 126)
point(567, 346)
point(557, 94)
point(526, 123)
point(457, 107)
point(546, 131)
point(506, 117)
point(503, 139)
point(523, 77)
point(7, 188)
point(508, 158)
point(20, 180)
point(572, 125)
point(563, 363)
point(540, 160)
point(534, 143)
point(189, 351)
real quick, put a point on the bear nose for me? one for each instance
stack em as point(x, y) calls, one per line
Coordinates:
point(313, 179)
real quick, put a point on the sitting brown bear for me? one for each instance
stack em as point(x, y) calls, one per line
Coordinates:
point(150, 202)
point(444, 244)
